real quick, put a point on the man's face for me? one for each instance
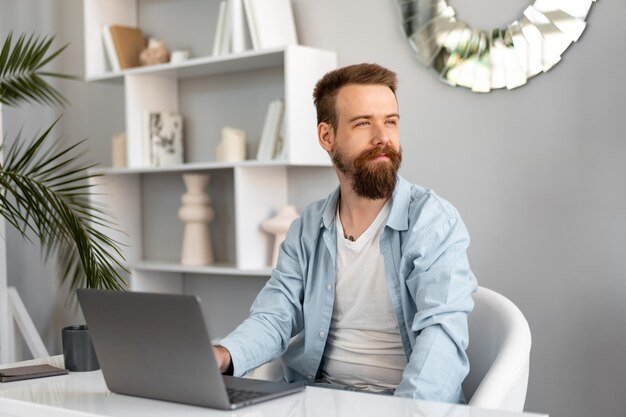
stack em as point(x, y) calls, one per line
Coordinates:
point(365, 146)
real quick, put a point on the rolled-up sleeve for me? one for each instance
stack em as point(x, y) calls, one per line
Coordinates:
point(441, 285)
point(275, 315)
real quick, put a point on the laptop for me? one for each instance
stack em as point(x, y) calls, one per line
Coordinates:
point(158, 346)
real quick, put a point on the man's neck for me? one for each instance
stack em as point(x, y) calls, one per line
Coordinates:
point(355, 212)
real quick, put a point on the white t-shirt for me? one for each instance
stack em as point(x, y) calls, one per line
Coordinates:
point(363, 349)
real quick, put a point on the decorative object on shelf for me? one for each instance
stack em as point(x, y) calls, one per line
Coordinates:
point(118, 157)
point(78, 352)
point(278, 226)
point(487, 60)
point(163, 139)
point(179, 55)
point(271, 134)
point(123, 45)
point(271, 23)
point(232, 147)
point(155, 53)
point(196, 213)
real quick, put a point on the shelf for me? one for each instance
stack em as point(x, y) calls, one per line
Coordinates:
point(216, 269)
point(201, 166)
point(208, 103)
point(210, 92)
point(205, 66)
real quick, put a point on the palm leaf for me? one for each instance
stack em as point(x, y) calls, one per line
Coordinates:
point(20, 71)
point(44, 191)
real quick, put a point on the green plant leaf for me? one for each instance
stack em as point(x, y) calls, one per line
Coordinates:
point(20, 71)
point(38, 195)
point(44, 188)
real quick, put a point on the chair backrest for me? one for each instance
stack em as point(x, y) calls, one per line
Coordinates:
point(499, 353)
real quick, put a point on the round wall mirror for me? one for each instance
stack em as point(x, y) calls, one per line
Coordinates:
point(483, 60)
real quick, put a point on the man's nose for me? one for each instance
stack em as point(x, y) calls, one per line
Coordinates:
point(380, 136)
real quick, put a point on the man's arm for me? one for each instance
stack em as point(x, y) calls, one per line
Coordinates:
point(275, 315)
point(442, 285)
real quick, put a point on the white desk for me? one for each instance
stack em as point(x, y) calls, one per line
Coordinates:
point(85, 394)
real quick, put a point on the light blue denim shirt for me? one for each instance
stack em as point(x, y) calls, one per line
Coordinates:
point(430, 283)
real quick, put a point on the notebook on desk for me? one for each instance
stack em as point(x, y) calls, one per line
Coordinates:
point(158, 346)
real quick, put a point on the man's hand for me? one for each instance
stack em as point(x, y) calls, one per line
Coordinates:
point(222, 357)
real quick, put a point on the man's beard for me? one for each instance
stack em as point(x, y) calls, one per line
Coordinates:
point(371, 180)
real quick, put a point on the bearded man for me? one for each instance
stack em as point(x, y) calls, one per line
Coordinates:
point(373, 286)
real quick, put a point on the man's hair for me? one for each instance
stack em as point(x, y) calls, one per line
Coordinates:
point(327, 88)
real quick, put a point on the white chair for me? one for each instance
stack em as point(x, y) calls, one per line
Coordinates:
point(499, 353)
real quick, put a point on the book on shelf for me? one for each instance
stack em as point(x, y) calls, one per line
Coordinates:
point(237, 26)
point(221, 41)
point(271, 23)
point(279, 143)
point(270, 135)
point(109, 48)
point(123, 44)
point(231, 32)
point(162, 143)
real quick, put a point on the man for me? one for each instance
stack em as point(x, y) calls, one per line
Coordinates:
point(374, 280)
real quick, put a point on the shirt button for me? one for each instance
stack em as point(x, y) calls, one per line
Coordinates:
point(322, 334)
point(329, 287)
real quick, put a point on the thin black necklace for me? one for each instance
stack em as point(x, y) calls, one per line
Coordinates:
point(349, 237)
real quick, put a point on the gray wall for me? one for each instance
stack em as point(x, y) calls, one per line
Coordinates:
point(535, 172)
point(95, 110)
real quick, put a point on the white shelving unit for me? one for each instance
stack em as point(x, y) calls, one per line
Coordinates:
point(209, 92)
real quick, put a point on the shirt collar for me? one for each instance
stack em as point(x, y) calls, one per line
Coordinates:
point(400, 201)
point(330, 209)
point(398, 216)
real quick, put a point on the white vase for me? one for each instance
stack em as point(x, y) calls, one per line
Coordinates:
point(278, 226)
point(196, 213)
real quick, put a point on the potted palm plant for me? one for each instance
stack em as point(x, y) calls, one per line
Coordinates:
point(44, 187)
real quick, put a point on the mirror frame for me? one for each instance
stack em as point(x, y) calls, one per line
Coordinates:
point(501, 58)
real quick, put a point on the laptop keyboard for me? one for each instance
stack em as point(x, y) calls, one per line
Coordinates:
point(240, 395)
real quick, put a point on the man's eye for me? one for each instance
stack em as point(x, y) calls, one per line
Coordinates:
point(392, 122)
point(362, 123)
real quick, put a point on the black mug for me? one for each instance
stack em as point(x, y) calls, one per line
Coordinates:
point(78, 350)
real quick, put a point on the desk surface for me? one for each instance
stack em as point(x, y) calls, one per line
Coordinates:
point(85, 394)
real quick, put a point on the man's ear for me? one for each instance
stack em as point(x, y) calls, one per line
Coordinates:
point(325, 136)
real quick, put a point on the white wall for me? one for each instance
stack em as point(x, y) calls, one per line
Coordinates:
point(537, 174)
